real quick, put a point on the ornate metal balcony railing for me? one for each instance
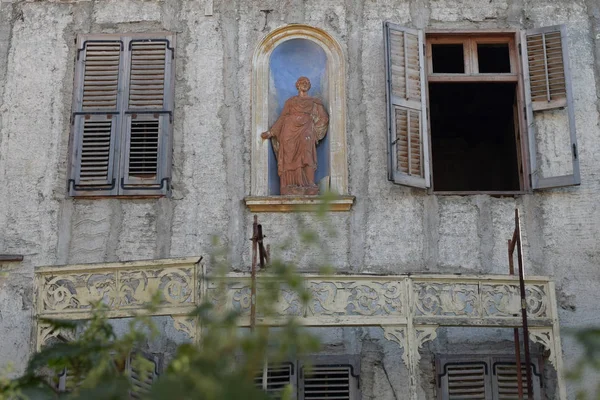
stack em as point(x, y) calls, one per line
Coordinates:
point(409, 308)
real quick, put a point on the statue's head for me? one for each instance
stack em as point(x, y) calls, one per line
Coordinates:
point(303, 84)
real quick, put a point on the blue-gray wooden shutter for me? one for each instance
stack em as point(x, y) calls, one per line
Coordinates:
point(141, 381)
point(505, 382)
point(148, 116)
point(463, 378)
point(96, 120)
point(275, 377)
point(328, 381)
point(548, 88)
point(408, 137)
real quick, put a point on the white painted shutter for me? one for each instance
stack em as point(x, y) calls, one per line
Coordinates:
point(96, 120)
point(549, 108)
point(145, 159)
point(408, 138)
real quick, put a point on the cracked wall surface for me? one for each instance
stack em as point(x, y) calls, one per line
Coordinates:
point(390, 229)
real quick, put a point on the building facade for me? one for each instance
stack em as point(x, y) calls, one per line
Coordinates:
point(444, 116)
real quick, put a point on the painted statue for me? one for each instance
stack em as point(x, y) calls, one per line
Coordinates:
point(295, 135)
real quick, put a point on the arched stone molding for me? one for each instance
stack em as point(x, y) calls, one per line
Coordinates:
point(336, 94)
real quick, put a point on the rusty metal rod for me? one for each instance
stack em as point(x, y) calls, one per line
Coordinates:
point(523, 306)
point(511, 271)
point(11, 257)
point(253, 274)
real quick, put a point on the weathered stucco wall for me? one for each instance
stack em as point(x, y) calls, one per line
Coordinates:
point(391, 229)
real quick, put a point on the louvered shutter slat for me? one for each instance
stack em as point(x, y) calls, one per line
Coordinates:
point(466, 382)
point(147, 75)
point(143, 149)
point(409, 148)
point(327, 382)
point(548, 87)
point(95, 158)
point(101, 75)
point(278, 377)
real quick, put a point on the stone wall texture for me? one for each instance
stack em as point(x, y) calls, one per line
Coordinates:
point(391, 229)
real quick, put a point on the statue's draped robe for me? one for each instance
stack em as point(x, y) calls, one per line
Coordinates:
point(301, 125)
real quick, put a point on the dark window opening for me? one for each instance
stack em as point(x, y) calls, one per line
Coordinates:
point(448, 58)
point(493, 58)
point(473, 137)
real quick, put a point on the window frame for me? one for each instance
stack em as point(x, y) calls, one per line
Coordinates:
point(470, 38)
point(121, 114)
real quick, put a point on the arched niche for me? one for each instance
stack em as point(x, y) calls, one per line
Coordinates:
point(265, 106)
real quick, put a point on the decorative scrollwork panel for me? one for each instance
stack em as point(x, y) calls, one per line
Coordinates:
point(446, 299)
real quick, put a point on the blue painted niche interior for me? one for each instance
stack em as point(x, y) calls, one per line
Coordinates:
point(289, 61)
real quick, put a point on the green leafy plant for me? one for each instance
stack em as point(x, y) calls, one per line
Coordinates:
point(222, 364)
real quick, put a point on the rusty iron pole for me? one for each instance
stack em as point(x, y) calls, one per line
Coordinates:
point(519, 246)
point(253, 274)
point(511, 271)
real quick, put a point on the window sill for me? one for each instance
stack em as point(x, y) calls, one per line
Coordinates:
point(296, 203)
point(499, 193)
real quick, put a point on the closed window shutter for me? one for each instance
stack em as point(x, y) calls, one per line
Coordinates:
point(464, 380)
point(277, 378)
point(505, 380)
point(328, 382)
point(408, 150)
point(96, 118)
point(141, 381)
point(548, 90)
point(146, 143)
point(123, 114)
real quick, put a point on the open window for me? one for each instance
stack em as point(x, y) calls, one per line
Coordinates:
point(464, 118)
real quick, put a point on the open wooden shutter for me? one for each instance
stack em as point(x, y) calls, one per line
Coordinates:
point(505, 382)
point(408, 144)
point(145, 158)
point(549, 105)
point(96, 120)
point(328, 382)
point(467, 379)
point(277, 376)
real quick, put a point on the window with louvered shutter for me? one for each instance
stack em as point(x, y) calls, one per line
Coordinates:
point(505, 379)
point(549, 104)
point(465, 380)
point(408, 147)
point(122, 118)
point(277, 378)
point(483, 377)
point(336, 381)
point(141, 381)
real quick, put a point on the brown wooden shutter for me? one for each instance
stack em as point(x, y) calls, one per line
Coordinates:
point(145, 159)
point(328, 382)
point(549, 101)
point(408, 150)
point(96, 120)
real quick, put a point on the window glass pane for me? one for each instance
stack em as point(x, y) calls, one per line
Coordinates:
point(448, 58)
point(493, 58)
